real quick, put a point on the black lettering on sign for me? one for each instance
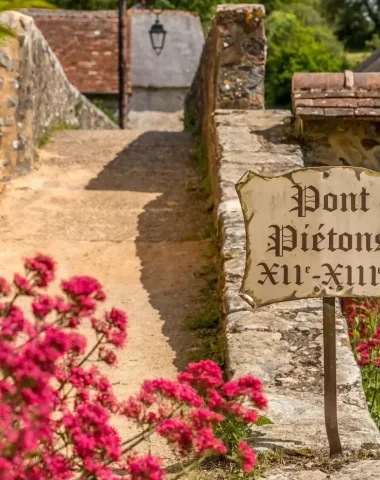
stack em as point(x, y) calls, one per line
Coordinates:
point(317, 239)
point(344, 202)
point(359, 242)
point(363, 197)
point(284, 239)
point(330, 202)
point(268, 273)
point(307, 199)
point(332, 274)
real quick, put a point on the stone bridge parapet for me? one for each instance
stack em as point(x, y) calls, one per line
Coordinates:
point(280, 343)
point(36, 96)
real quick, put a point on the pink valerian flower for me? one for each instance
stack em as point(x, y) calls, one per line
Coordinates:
point(14, 323)
point(58, 466)
point(43, 306)
point(177, 432)
point(172, 390)
point(5, 288)
point(113, 327)
point(203, 417)
point(246, 387)
point(43, 268)
point(237, 409)
point(246, 456)
point(145, 467)
point(91, 432)
point(48, 396)
point(107, 356)
point(24, 287)
point(208, 444)
point(203, 375)
point(83, 286)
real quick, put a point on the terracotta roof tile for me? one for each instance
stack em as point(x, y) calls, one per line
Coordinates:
point(345, 94)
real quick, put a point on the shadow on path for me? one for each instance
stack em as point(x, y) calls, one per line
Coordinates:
point(170, 228)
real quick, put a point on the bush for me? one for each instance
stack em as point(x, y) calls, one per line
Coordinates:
point(295, 47)
point(56, 410)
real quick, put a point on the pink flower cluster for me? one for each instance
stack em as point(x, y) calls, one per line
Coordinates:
point(363, 330)
point(55, 410)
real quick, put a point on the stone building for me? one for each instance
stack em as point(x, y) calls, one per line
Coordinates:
point(85, 43)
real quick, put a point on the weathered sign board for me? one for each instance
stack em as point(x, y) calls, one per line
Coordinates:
point(314, 232)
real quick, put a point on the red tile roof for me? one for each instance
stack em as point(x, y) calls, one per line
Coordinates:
point(346, 94)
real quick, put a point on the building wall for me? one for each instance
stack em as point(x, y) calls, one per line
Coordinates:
point(342, 142)
point(165, 100)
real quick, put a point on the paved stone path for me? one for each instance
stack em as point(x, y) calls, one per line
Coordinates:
point(123, 207)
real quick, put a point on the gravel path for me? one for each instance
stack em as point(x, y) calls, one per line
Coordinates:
point(123, 207)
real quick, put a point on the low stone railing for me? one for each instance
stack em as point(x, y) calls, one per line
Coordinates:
point(35, 96)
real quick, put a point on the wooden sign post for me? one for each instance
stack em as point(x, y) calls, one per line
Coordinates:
point(314, 232)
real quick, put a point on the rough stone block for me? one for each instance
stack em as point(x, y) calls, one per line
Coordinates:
point(6, 61)
point(7, 121)
point(310, 111)
point(340, 112)
point(367, 112)
point(12, 102)
point(360, 470)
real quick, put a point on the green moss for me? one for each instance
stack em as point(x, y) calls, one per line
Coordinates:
point(99, 103)
point(78, 107)
point(191, 121)
point(46, 137)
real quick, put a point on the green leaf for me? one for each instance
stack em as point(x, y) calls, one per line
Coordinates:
point(263, 421)
point(6, 32)
point(19, 4)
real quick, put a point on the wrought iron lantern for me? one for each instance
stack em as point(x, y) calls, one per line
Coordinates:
point(157, 35)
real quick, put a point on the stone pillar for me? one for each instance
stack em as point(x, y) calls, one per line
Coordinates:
point(9, 73)
point(232, 66)
point(242, 55)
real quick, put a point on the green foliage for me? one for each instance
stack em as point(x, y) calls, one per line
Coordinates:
point(191, 121)
point(56, 128)
point(353, 21)
point(296, 47)
point(87, 4)
point(17, 4)
point(207, 323)
point(102, 106)
point(232, 430)
point(373, 44)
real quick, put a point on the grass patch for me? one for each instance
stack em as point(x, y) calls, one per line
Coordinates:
point(107, 111)
point(191, 121)
point(207, 323)
point(355, 58)
point(47, 136)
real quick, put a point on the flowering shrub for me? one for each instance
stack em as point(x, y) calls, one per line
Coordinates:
point(55, 410)
point(363, 318)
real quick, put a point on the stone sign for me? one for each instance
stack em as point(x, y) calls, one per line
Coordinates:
point(314, 232)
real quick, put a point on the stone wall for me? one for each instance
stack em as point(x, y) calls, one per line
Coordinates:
point(342, 142)
point(231, 70)
point(282, 343)
point(338, 118)
point(36, 96)
point(232, 67)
